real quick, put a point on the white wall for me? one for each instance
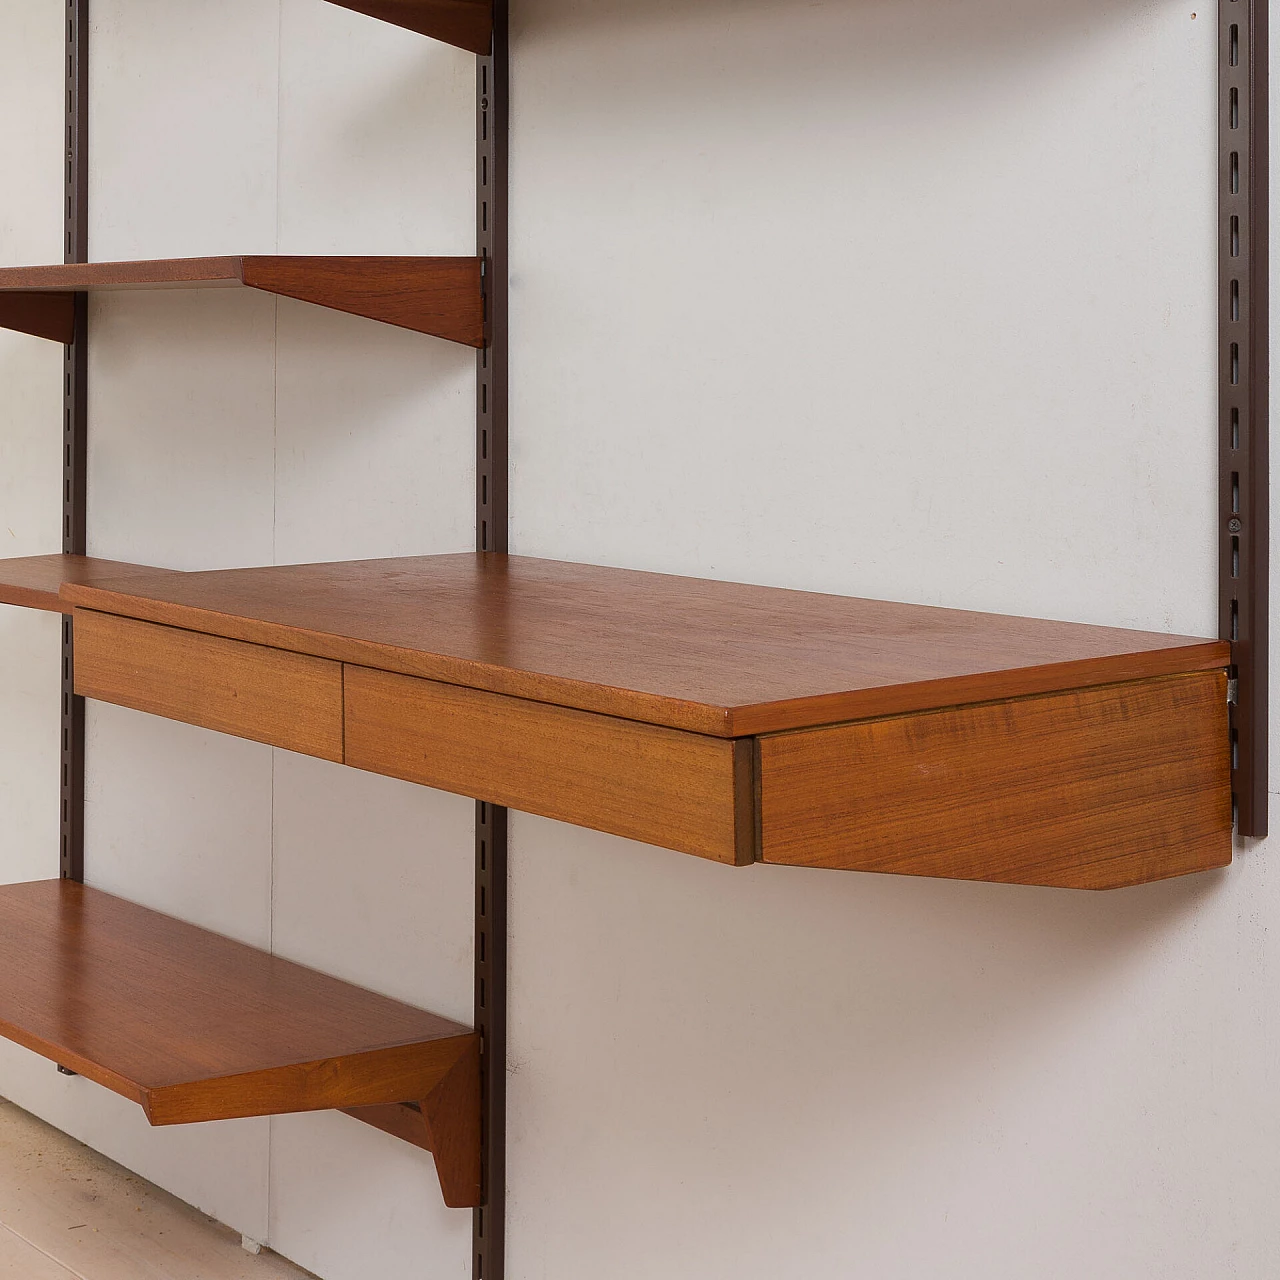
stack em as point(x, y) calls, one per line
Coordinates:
point(30, 439)
point(911, 299)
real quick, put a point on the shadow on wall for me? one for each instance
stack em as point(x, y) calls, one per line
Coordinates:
point(427, 87)
point(874, 1029)
point(938, 38)
point(871, 298)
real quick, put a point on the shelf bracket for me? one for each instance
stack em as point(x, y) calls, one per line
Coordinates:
point(42, 315)
point(447, 1124)
point(1243, 393)
point(464, 23)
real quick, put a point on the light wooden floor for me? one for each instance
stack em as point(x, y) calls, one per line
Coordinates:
point(67, 1213)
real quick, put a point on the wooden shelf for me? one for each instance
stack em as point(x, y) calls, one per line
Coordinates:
point(35, 581)
point(465, 23)
point(734, 722)
point(437, 296)
point(195, 1027)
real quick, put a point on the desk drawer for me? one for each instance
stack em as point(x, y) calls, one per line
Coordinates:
point(285, 699)
point(680, 790)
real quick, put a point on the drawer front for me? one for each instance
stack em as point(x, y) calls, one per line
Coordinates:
point(1094, 788)
point(680, 790)
point(285, 699)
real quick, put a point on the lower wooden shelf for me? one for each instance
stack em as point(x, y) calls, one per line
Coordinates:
point(196, 1027)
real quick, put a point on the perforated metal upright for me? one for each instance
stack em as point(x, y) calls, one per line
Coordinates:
point(1243, 383)
point(492, 128)
point(75, 383)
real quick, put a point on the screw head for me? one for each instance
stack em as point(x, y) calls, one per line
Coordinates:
point(1234, 525)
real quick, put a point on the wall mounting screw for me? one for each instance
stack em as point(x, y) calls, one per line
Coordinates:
point(1234, 526)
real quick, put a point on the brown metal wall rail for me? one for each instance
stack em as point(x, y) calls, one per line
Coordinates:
point(1243, 381)
point(492, 126)
point(74, 424)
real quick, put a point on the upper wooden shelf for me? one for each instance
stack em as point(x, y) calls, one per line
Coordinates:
point(194, 1027)
point(438, 296)
point(465, 23)
point(715, 658)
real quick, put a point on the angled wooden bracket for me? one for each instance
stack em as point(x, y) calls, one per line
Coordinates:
point(438, 296)
point(446, 1123)
point(43, 315)
point(468, 24)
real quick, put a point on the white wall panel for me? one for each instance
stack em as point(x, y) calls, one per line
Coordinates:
point(910, 301)
point(183, 108)
point(181, 427)
point(375, 439)
point(30, 649)
point(766, 1073)
point(349, 1202)
point(31, 39)
point(377, 137)
point(179, 819)
point(30, 436)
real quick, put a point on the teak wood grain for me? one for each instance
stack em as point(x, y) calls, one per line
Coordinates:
point(403, 1120)
point(1091, 789)
point(716, 658)
point(42, 315)
point(285, 699)
point(434, 1125)
point(196, 1027)
point(457, 1153)
point(468, 24)
point(438, 296)
point(456, 1146)
point(680, 790)
point(570, 691)
point(34, 582)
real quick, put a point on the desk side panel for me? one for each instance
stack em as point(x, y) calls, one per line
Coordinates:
point(1092, 789)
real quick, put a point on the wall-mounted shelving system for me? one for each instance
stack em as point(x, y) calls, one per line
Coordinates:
point(736, 723)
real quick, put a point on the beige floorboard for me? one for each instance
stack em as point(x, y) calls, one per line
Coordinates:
point(68, 1213)
point(22, 1261)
